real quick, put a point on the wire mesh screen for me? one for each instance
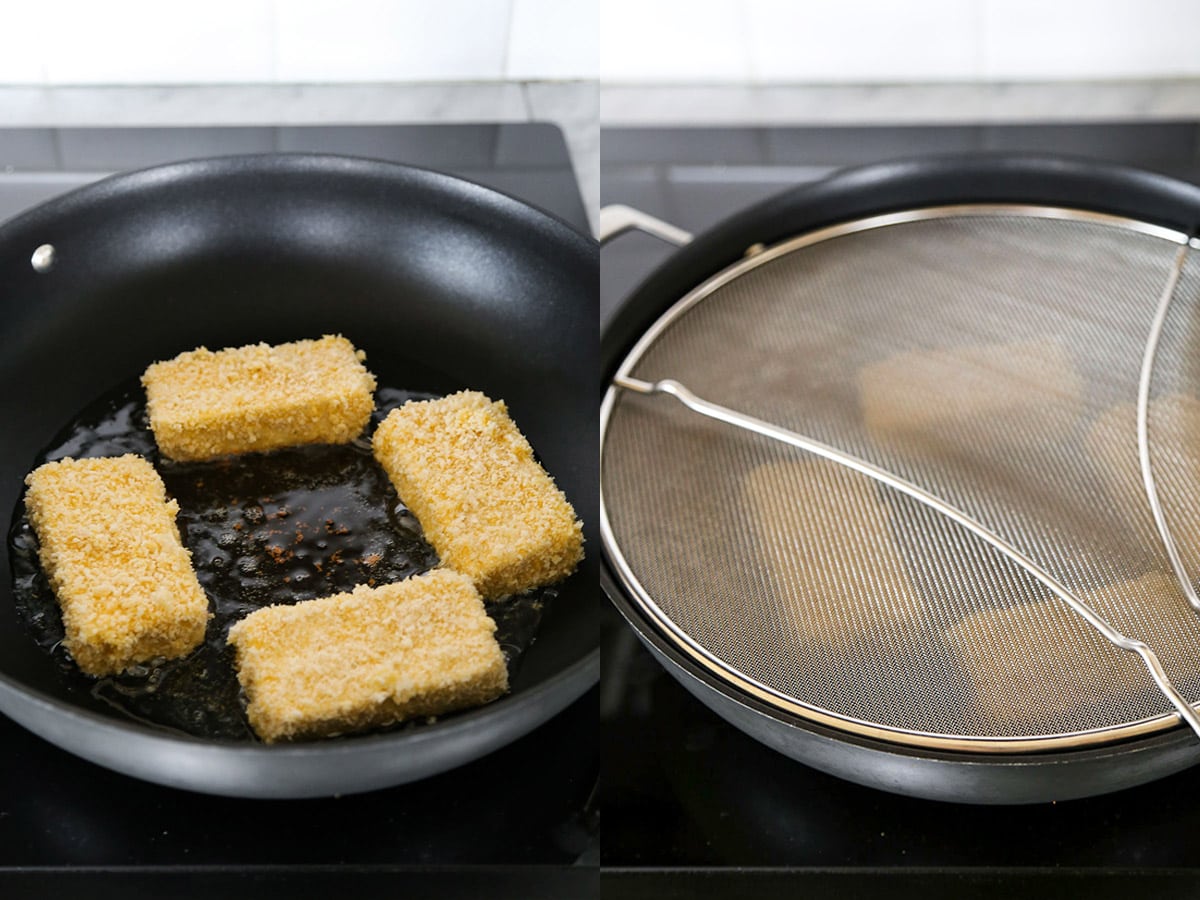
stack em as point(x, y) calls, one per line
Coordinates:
point(991, 359)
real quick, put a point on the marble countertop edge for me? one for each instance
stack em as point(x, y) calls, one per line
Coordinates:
point(659, 105)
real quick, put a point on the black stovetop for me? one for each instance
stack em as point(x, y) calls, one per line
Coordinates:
point(685, 791)
point(522, 820)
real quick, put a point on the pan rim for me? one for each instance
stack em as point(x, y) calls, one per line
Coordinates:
point(660, 644)
point(349, 744)
point(521, 711)
point(686, 647)
point(206, 166)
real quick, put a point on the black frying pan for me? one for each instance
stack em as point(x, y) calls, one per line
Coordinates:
point(446, 285)
point(848, 195)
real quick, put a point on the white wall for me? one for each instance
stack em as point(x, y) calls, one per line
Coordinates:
point(892, 41)
point(123, 42)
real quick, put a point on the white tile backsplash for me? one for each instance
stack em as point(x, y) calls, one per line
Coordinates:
point(144, 42)
point(391, 40)
point(888, 42)
point(22, 43)
point(868, 40)
point(674, 41)
point(127, 42)
point(554, 39)
point(739, 42)
point(1027, 40)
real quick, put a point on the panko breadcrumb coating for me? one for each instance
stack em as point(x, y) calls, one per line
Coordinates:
point(828, 553)
point(1027, 390)
point(485, 504)
point(111, 550)
point(1040, 660)
point(1174, 435)
point(204, 404)
point(374, 656)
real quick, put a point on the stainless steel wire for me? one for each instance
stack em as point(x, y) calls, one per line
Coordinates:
point(986, 357)
point(1143, 430)
point(674, 389)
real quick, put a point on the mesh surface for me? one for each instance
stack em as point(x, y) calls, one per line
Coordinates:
point(991, 359)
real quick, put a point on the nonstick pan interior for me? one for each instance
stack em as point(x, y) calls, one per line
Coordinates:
point(444, 284)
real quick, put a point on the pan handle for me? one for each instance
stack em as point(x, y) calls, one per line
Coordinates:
point(617, 218)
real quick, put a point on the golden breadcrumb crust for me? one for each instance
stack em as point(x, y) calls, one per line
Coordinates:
point(1027, 390)
point(1112, 447)
point(829, 554)
point(371, 657)
point(485, 504)
point(110, 547)
point(1040, 660)
point(205, 404)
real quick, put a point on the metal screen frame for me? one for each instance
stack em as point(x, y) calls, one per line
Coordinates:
point(663, 622)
